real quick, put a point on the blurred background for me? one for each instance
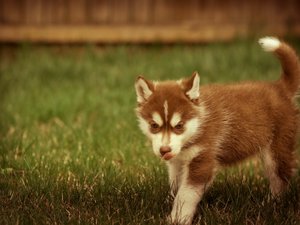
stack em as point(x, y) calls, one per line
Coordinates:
point(145, 21)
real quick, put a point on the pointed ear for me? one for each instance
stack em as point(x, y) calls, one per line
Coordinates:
point(144, 89)
point(191, 87)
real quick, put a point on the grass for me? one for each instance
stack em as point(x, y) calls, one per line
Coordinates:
point(71, 152)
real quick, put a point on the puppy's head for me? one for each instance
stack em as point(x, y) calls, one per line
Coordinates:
point(168, 113)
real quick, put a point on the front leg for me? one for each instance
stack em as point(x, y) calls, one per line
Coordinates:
point(186, 202)
point(174, 171)
point(196, 177)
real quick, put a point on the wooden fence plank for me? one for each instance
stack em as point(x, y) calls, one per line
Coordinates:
point(161, 12)
point(185, 11)
point(141, 12)
point(11, 11)
point(1, 12)
point(33, 12)
point(59, 12)
point(77, 11)
point(118, 34)
point(119, 11)
point(99, 11)
point(54, 12)
point(48, 12)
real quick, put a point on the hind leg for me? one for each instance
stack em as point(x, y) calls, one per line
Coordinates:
point(279, 162)
point(270, 165)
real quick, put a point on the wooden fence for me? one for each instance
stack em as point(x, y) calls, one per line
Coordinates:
point(115, 21)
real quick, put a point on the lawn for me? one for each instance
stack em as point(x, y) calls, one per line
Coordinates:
point(71, 151)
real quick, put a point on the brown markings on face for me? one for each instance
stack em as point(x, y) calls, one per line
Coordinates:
point(172, 94)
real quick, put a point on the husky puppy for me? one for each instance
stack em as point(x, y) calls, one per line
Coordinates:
point(197, 130)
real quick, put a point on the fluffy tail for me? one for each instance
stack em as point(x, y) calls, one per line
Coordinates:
point(289, 62)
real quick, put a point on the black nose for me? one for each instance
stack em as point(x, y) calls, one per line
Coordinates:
point(164, 149)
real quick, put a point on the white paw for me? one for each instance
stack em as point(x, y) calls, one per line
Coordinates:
point(269, 44)
point(169, 220)
point(177, 220)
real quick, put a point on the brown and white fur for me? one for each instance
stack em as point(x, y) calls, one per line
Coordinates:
point(199, 130)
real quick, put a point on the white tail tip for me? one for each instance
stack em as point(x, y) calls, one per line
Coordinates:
point(269, 44)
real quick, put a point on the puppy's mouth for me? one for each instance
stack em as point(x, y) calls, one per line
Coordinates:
point(168, 156)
